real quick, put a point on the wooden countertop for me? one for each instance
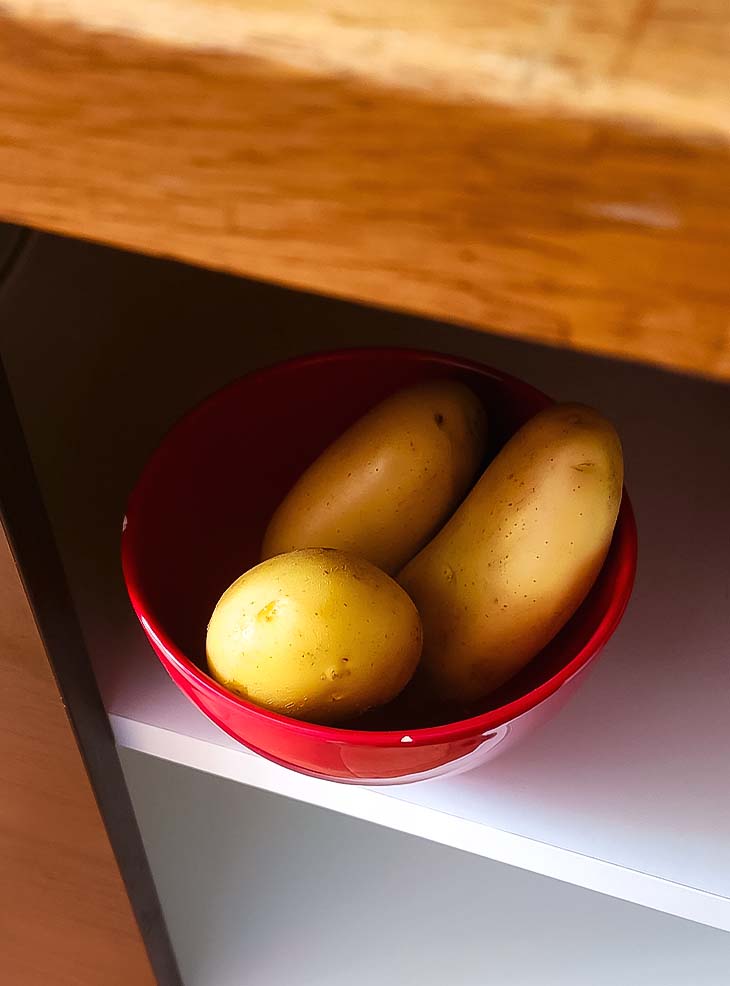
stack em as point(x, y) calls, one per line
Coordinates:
point(556, 171)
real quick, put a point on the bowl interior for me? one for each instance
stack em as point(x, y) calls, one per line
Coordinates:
point(201, 507)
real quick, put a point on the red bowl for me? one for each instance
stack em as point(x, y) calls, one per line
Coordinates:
point(197, 515)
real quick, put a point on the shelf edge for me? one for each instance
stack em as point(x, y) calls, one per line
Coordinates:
point(383, 808)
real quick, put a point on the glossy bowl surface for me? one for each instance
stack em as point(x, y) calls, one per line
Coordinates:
point(197, 515)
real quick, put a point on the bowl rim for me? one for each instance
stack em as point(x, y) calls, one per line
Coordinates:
point(624, 543)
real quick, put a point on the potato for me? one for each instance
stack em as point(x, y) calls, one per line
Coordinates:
point(519, 556)
point(315, 634)
point(388, 483)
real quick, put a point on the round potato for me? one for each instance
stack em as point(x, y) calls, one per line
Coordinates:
point(316, 634)
point(520, 554)
point(387, 484)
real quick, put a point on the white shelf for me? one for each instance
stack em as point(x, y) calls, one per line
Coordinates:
point(276, 893)
point(625, 792)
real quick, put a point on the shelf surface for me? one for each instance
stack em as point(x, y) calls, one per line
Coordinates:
point(277, 893)
point(626, 790)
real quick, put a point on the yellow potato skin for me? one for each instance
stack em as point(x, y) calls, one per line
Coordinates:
point(520, 554)
point(316, 634)
point(387, 484)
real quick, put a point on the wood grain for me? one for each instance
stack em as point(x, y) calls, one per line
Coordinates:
point(653, 62)
point(64, 915)
point(583, 231)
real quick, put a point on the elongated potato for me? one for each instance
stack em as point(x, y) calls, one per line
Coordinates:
point(520, 554)
point(387, 484)
point(315, 634)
